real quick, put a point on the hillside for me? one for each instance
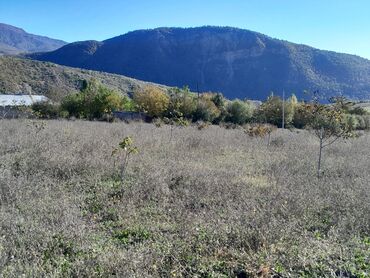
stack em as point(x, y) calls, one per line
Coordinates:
point(14, 40)
point(54, 81)
point(236, 62)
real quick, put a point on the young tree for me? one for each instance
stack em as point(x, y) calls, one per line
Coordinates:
point(124, 150)
point(152, 100)
point(261, 130)
point(328, 124)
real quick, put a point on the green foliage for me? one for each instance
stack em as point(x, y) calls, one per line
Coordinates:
point(352, 121)
point(302, 115)
point(206, 110)
point(124, 150)
point(358, 111)
point(271, 111)
point(328, 120)
point(128, 104)
point(219, 100)
point(131, 236)
point(239, 112)
point(93, 101)
point(45, 110)
point(182, 103)
point(60, 254)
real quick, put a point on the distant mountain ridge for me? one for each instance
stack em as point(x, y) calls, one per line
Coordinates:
point(14, 40)
point(239, 63)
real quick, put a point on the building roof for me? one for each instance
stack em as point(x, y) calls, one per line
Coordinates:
point(21, 100)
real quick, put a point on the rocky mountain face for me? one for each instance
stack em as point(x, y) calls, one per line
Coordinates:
point(239, 63)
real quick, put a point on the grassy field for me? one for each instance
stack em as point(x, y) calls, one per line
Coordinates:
point(206, 203)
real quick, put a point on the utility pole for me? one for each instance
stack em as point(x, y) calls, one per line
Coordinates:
point(283, 122)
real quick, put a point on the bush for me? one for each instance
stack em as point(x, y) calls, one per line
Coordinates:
point(128, 104)
point(366, 122)
point(302, 115)
point(239, 112)
point(93, 101)
point(182, 102)
point(359, 122)
point(271, 111)
point(205, 110)
point(152, 100)
point(352, 121)
point(45, 110)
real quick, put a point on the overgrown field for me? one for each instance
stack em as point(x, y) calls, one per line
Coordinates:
point(204, 203)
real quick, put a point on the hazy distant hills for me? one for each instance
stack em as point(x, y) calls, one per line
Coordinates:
point(236, 62)
point(14, 40)
point(27, 76)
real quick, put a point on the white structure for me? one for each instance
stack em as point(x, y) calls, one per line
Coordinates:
point(20, 100)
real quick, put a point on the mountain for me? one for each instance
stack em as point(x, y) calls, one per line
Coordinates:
point(236, 62)
point(55, 81)
point(14, 40)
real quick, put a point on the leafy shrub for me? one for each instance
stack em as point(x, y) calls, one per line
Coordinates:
point(271, 111)
point(352, 121)
point(45, 110)
point(93, 101)
point(239, 112)
point(302, 115)
point(131, 236)
point(365, 123)
point(181, 102)
point(152, 100)
point(206, 110)
point(128, 104)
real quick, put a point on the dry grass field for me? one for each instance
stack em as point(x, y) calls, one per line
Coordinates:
point(207, 203)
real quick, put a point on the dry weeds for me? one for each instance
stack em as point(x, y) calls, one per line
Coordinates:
point(208, 203)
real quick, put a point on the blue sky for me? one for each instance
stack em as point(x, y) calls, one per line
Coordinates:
point(339, 25)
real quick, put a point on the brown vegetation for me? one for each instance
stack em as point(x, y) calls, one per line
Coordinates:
point(210, 203)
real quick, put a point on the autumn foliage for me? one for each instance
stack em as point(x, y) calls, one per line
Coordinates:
point(152, 100)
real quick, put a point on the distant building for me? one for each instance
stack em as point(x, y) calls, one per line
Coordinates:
point(20, 100)
point(10, 104)
point(131, 116)
point(256, 103)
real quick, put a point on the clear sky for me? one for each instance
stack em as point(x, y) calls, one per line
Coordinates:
point(339, 25)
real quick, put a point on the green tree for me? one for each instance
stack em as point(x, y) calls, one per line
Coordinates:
point(271, 111)
point(239, 112)
point(93, 101)
point(182, 103)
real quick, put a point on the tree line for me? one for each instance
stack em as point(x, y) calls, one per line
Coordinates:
point(180, 105)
